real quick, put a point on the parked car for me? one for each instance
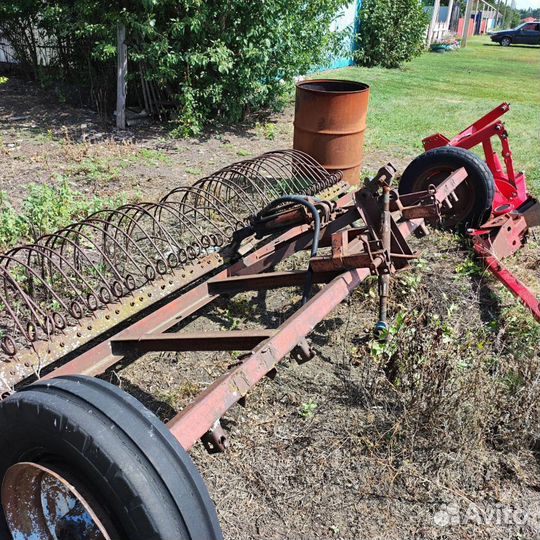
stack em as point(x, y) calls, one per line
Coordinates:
point(526, 34)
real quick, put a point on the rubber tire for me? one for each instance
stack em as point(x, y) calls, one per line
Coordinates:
point(505, 42)
point(480, 181)
point(121, 453)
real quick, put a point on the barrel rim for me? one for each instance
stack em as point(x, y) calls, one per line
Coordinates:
point(363, 87)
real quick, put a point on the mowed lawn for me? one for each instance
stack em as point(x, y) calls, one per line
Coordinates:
point(447, 92)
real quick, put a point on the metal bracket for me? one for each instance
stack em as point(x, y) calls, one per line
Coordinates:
point(383, 177)
point(303, 353)
point(504, 234)
point(215, 439)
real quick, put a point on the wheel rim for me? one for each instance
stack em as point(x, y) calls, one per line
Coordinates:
point(462, 208)
point(41, 504)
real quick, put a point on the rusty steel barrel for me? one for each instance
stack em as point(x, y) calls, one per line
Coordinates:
point(329, 124)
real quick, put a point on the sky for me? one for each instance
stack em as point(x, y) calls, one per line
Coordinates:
point(524, 4)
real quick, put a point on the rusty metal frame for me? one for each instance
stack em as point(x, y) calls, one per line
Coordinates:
point(338, 276)
point(69, 287)
point(198, 417)
point(379, 247)
point(99, 358)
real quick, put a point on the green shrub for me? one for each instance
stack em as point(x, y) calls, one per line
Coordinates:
point(391, 32)
point(209, 60)
point(46, 209)
point(11, 226)
point(223, 60)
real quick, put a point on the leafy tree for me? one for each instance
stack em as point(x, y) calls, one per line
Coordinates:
point(515, 19)
point(529, 12)
point(225, 59)
point(510, 16)
point(391, 32)
point(61, 44)
point(209, 59)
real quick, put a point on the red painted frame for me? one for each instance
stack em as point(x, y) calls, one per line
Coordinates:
point(506, 232)
point(484, 250)
point(511, 188)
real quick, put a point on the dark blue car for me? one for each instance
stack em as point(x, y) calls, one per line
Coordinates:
point(524, 34)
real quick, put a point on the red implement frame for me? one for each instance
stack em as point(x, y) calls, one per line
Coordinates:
point(501, 237)
point(514, 211)
point(511, 189)
point(366, 254)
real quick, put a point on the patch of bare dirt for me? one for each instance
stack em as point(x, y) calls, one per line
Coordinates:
point(41, 139)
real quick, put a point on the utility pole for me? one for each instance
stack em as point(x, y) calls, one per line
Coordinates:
point(467, 17)
point(449, 14)
point(121, 76)
point(434, 21)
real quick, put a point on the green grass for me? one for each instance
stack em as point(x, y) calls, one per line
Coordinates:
point(447, 92)
point(153, 156)
point(97, 169)
point(45, 209)
point(108, 168)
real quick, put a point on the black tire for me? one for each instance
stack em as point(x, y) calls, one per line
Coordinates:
point(506, 42)
point(475, 194)
point(117, 449)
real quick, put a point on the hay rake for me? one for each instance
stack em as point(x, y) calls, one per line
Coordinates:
point(76, 283)
point(80, 458)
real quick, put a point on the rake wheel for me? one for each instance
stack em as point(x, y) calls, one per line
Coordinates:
point(87, 272)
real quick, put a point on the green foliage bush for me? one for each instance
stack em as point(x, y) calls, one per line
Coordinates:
point(66, 45)
point(391, 32)
point(209, 59)
point(46, 209)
